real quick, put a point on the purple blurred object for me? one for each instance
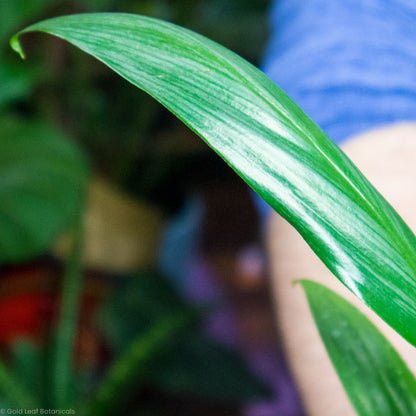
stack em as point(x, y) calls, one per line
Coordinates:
point(267, 362)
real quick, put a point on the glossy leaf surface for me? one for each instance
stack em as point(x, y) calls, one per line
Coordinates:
point(42, 175)
point(373, 374)
point(271, 143)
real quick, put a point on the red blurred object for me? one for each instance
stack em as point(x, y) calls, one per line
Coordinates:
point(24, 316)
point(26, 300)
point(29, 307)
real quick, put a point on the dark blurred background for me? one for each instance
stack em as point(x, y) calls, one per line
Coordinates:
point(168, 225)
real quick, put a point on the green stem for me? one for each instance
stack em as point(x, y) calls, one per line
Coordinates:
point(14, 391)
point(132, 363)
point(62, 365)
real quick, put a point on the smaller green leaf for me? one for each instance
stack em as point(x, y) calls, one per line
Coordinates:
point(374, 376)
point(42, 179)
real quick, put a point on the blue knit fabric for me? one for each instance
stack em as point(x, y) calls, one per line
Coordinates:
point(349, 64)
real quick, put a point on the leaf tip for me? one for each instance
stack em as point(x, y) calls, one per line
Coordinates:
point(16, 46)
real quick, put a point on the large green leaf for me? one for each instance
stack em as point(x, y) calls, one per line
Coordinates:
point(374, 376)
point(271, 143)
point(42, 175)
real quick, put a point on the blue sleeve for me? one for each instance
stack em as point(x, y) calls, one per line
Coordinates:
point(349, 64)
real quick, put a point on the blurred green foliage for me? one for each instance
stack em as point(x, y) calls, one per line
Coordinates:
point(191, 364)
point(64, 101)
point(157, 337)
point(41, 185)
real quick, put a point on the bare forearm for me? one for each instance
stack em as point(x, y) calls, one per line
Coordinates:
point(386, 156)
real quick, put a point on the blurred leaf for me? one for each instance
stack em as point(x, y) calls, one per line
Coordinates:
point(32, 366)
point(96, 5)
point(4, 403)
point(42, 175)
point(62, 356)
point(129, 367)
point(14, 12)
point(27, 364)
point(271, 143)
point(199, 367)
point(240, 25)
point(374, 376)
point(190, 364)
point(13, 391)
point(144, 298)
point(161, 9)
point(14, 83)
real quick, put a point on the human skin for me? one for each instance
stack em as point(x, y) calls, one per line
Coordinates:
point(386, 156)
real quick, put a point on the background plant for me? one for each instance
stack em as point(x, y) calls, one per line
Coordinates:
point(45, 123)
